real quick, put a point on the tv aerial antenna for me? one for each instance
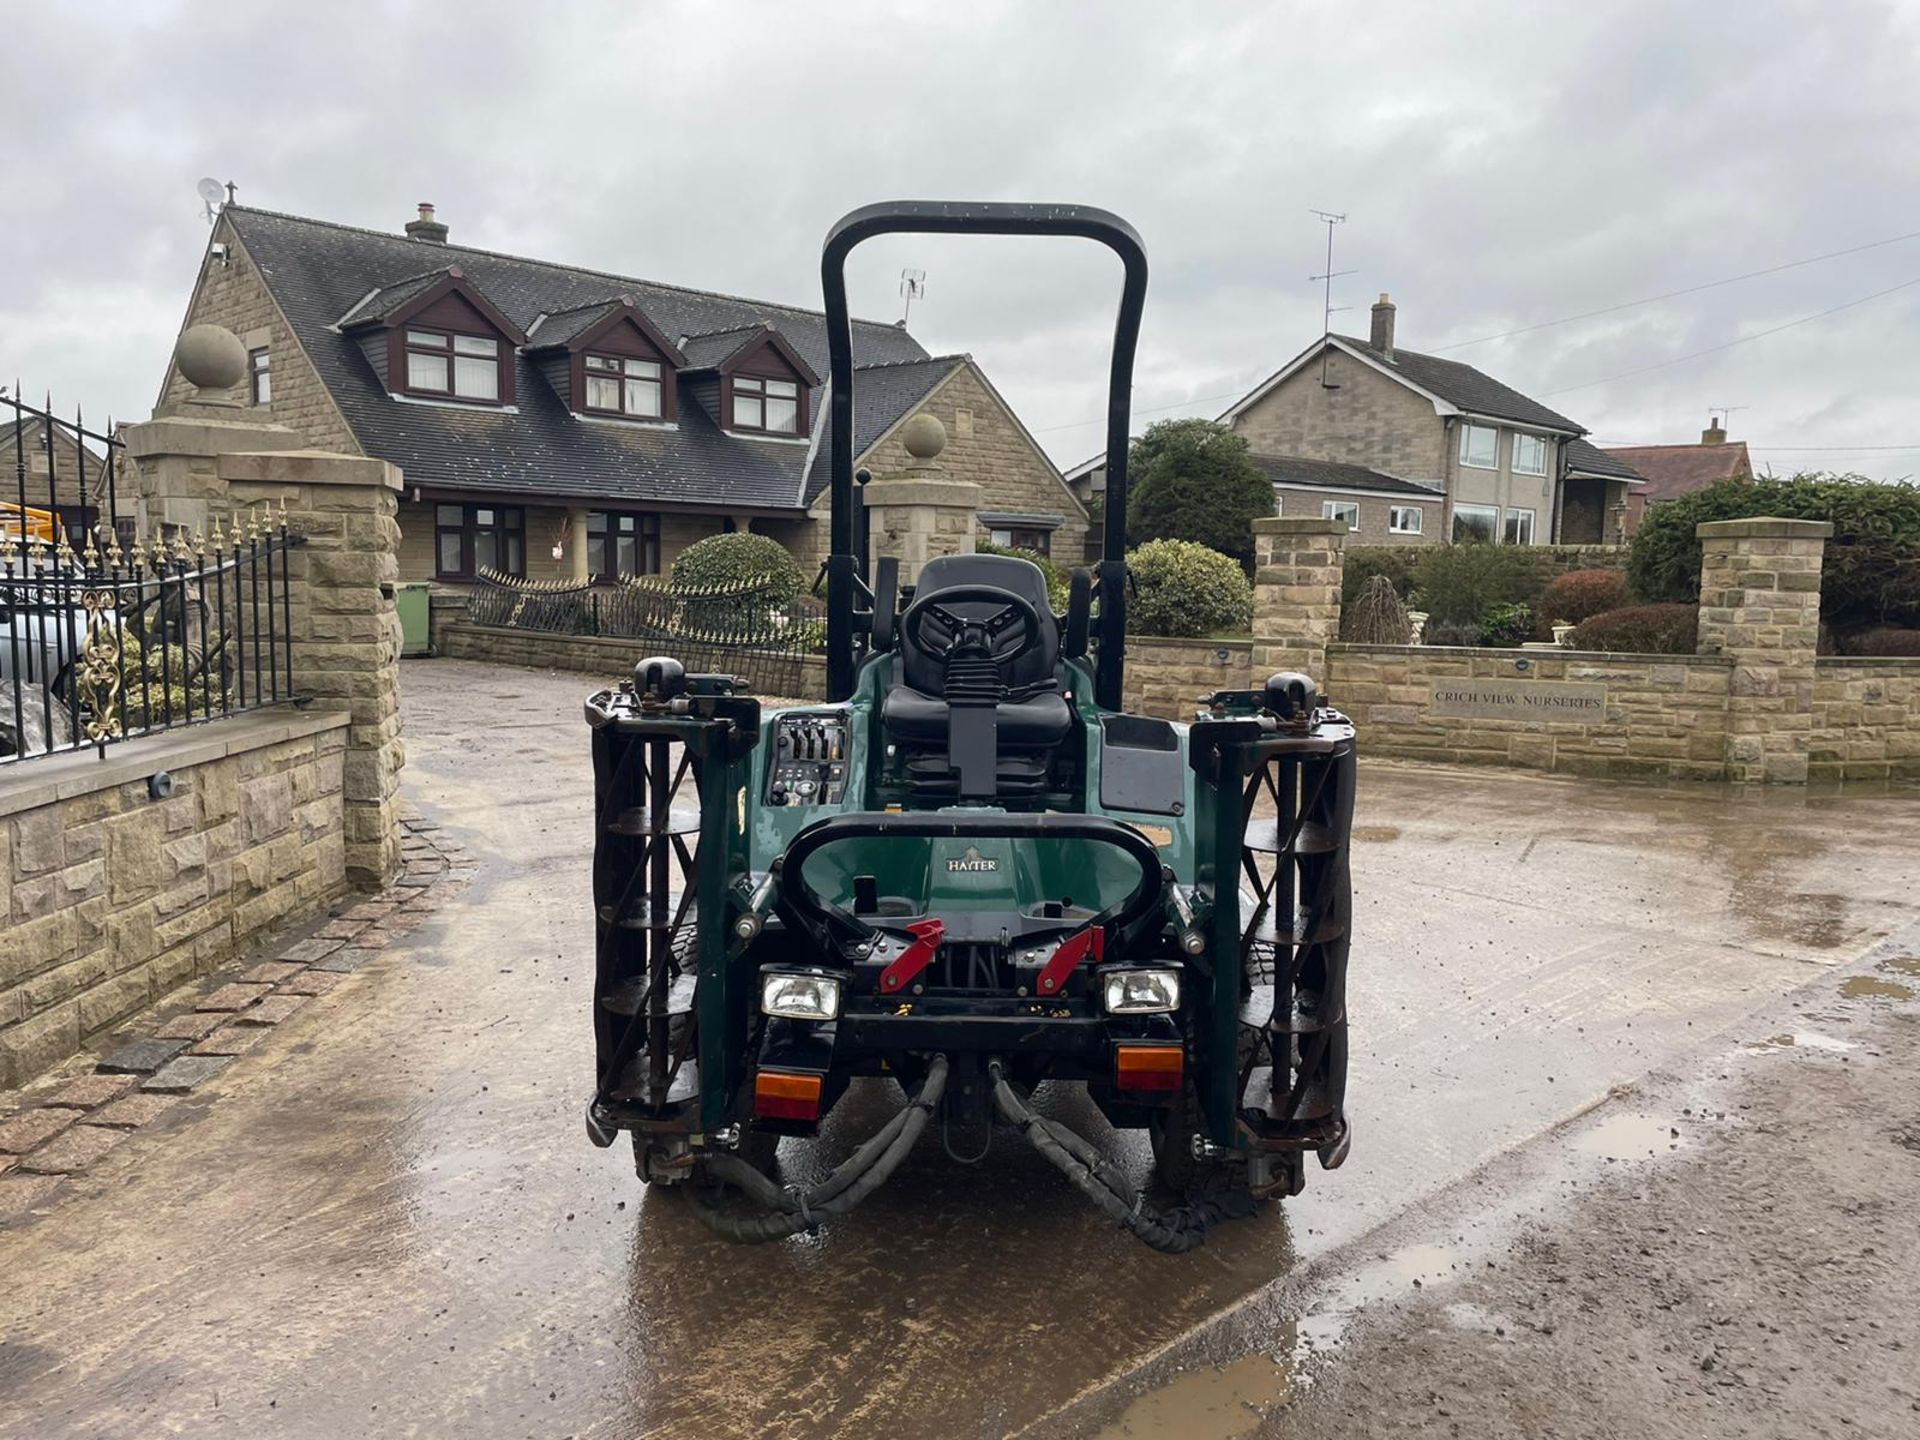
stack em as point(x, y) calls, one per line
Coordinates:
point(913, 284)
point(213, 195)
point(1329, 218)
point(1724, 413)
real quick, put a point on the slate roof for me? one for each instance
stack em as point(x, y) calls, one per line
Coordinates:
point(389, 298)
point(316, 270)
point(1462, 385)
point(1330, 475)
point(1675, 470)
point(1586, 458)
point(562, 325)
point(706, 352)
point(882, 395)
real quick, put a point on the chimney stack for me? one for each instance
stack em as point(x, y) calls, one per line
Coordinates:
point(1715, 433)
point(1382, 337)
point(426, 227)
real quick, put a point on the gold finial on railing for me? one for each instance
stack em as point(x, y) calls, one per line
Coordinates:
point(283, 514)
point(182, 545)
point(115, 555)
point(253, 524)
point(90, 557)
point(8, 549)
point(200, 547)
point(157, 547)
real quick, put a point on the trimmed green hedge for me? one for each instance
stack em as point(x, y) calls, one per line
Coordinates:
point(1871, 575)
point(1184, 589)
point(757, 565)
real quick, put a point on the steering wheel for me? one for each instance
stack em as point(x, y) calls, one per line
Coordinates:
point(1011, 630)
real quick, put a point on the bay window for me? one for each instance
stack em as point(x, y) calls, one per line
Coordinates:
point(620, 385)
point(470, 538)
point(622, 543)
point(462, 367)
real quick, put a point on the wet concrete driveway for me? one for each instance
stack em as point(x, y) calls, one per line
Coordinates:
point(387, 1220)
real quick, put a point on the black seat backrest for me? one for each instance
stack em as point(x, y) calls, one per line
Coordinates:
point(1007, 572)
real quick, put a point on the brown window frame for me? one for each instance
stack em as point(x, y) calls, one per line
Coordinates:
point(510, 527)
point(662, 372)
point(450, 353)
point(762, 381)
point(646, 538)
point(259, 368)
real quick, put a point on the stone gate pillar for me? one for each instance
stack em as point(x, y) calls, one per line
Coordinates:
point(1760, 604)
point(1298, 563)
point(918, 513)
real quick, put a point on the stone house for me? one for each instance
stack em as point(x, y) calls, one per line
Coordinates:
point(561, 423)
point(1409, 448)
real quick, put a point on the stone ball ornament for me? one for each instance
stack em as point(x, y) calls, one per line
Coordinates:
point(210, 357)
point(924, 436)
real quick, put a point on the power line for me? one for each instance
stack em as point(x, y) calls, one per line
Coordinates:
point(1770, 449)
point(1728, 345)
point(1684, 290)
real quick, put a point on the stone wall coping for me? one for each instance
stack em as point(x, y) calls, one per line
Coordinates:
point(1186, 642)
point(31, 784)
point(1763, 527)
point(204, 435)
point(913, 490)
point(1493, 652)
point(1862, 662)
point(305, 467)
point(1301, 525)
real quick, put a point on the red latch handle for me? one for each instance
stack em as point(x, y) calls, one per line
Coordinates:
point(927, 935)
point(1074, 949)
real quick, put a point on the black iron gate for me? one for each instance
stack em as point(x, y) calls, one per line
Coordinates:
point(109, 632)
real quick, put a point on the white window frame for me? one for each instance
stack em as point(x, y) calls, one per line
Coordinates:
point(1539, 440)
point(1491, 511)
point(1467, 432)
point(1507, 522)
point(1397, 515)
point(1333, 510)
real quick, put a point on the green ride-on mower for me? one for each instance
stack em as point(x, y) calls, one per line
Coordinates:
point(970, 872)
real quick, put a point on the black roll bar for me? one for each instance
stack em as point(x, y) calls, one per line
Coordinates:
point(943, 217)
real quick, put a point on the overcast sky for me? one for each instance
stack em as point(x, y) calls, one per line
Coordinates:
point(1501, 166)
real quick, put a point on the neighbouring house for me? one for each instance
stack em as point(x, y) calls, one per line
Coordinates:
point(53, 468)
point(563, 423)
point(1409, 448)
point(1596, 498)
point(1671, 471)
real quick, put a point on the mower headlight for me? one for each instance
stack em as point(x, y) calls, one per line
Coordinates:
point(800, 997)
point(1142, 992)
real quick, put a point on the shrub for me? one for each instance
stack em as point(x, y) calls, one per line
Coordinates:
point(1463, 583)
point(1195, 480)
point(1507, 625)
point(1642, 630)
point(1884, 640)
point(1578, 595)
point(1056, 577)
point(757, 570)
point(1378, 617)
point(1871, 575)
point(1451, 632)
point(1363, 562)
point(1186, 589)
point(739, 559)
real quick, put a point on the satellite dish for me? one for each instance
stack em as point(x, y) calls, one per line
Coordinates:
point(212, 193)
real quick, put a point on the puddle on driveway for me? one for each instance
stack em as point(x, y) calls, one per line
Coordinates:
point(1867, 987)
point(1375, 834)
point(1210, 1404)
point(1901, 965)
point(1628, 1137)
point(1799, 1040)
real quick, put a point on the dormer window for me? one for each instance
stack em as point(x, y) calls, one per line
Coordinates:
point(623, 385)
point(463, 367)
point(763, 404)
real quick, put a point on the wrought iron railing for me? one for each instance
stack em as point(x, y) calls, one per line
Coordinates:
point(759, 632)
point(111, 634)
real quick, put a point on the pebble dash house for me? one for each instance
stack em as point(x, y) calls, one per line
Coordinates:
point(561, 423)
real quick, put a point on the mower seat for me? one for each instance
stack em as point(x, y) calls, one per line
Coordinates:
point(915, 711)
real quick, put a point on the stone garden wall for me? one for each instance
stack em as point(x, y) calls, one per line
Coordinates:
point(1168, 678)
point(114, 894)
point(1866, 718)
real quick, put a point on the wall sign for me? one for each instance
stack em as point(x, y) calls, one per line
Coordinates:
point(1518, 700)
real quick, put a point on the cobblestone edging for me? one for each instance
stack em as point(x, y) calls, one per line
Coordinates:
point(62, 1126)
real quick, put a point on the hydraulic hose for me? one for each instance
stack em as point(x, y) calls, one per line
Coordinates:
point(1173, 1233)
point(855, 1178)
